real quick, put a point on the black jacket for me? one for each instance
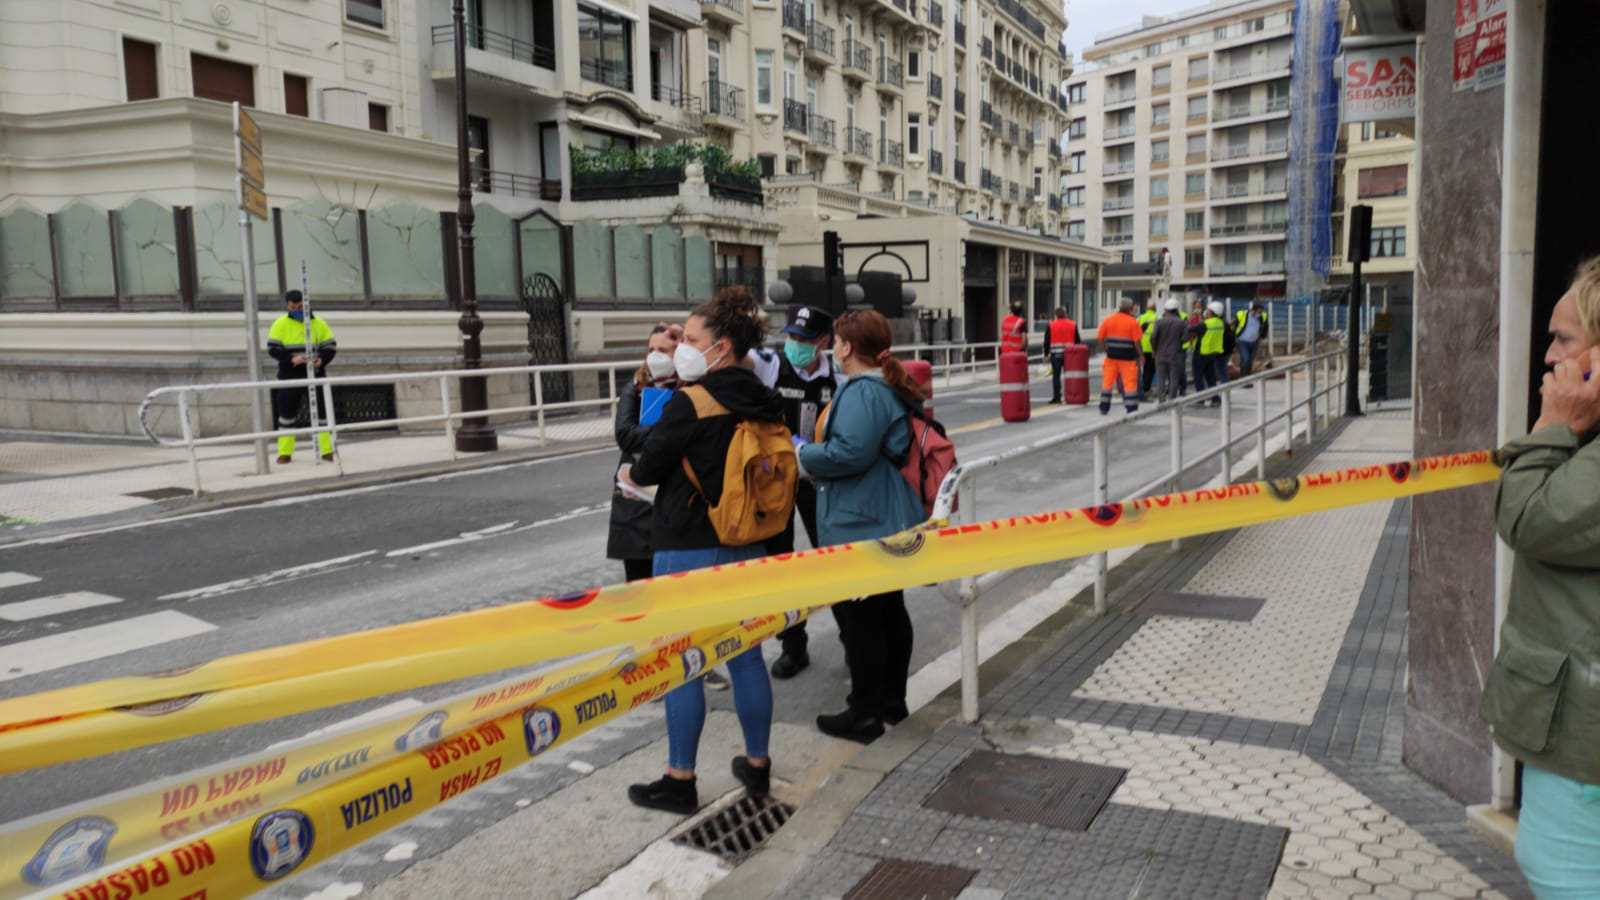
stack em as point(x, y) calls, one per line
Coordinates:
point(680, 521)
point(630, 518)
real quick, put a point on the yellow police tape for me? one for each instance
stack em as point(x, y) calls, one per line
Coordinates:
point(148, 817)
point(45, 729)
point(248, 854)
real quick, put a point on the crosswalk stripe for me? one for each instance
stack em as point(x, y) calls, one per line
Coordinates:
point(54, 605)
point(12, 579)
point(58, 651)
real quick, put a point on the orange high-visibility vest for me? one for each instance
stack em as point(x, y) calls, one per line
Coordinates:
point(1011, 333)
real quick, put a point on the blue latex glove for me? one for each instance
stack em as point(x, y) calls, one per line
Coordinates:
point(798, 440)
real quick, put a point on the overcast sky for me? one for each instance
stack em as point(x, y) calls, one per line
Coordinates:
point(1087, 18)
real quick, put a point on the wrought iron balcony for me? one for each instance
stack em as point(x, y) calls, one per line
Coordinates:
point(857, 60)
point(987, 48)
point(1014, 191)
point(819, 38)
point(891, 153)
point(515, 184)
point(936, 162)
point(858, 142)
point(1011, 132)
point(960, 171)
point(891, 73)
point(935, 14)
point(618, 75)
point(1029, 22)
point(480, 38)
point(723, 10)
point(935, 87)
point(960, 104)
point(724, 101)
point(794, 116)
point(821, 132)
point(961, 33)
point(986, 114)
point(1055, 203)
point(794, 16)
point(1001, 61)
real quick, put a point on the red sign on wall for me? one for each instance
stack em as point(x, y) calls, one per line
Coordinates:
point(1480, 44)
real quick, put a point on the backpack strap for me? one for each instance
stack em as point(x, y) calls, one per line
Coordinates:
point(705, 406)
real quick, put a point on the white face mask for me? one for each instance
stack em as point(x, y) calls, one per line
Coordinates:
point(691, 363)
point(660, 365)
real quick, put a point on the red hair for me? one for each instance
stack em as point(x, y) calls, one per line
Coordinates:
point(869, 336)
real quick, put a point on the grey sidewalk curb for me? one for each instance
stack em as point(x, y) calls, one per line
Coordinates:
point(214, 502)
point(812, 827)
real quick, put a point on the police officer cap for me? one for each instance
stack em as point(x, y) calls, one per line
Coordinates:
point(808, 322)
point(1172, 303)
point(1215, 307)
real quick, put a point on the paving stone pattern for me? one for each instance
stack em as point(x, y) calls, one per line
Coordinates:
point(1263, 757)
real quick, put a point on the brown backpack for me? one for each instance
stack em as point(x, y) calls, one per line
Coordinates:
point(758, 480)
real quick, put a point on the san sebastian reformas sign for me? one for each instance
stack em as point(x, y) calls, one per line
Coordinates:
point(1380, 83)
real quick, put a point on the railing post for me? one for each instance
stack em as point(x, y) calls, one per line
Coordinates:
point(188, 439)
point(1101, 484)
point(1261, 431)
point(1311, 397)
point(1288, 405)
point(611, 376)
point(1176, 485)
point(449, 423)
point(1227, 437)
point(967, 498)
point(333, 424)
point(538, 402)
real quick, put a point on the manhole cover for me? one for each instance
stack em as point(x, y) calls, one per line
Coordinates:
point(161, 493)
point(738, 831)
point(1199, 606)
point(1053, 792)
point(896, 879)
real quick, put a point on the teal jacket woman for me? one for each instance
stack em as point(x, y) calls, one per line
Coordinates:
point(861, 494)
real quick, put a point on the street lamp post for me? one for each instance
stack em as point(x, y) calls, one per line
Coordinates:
point(475, 434)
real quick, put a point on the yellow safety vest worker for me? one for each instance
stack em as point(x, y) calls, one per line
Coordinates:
point(1147, 321)
point(1211, 341)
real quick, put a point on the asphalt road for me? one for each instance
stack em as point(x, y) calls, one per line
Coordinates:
point(290, 570)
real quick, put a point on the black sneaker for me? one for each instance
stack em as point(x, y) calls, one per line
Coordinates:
point(757, 780)
point(790, 664)
point(851, 726)
point(673, 795)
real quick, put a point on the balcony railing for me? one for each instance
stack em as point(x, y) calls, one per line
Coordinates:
point(1257, 189)
point(984, 178)
point(1124, 96)
point(935, 86)
point(1012, 132)
point(1055, 203)
point(1262, 268)
point(1234, 73)
point(1160, 155)
point(736, 187)
point(660, 181)
point(820, 131)
point(960, 171)
point(1242, 151)
point(1029, 22)
point(858, 56)
point(723, 8)
point(819, 38)
point(794, 16)
point(1243, 110)
point(794, 116)
point(935, 162)
point(1113, 240)
point(935, 14)
point(1119, 132)
point(891, 153)
point(505, 45)
point(1033, 85)
point(1014, 191)
point(858, 142)
point(677, 98)
point(611, 74)
point(1111, 204)
point(724, 101)
point(1001, 61)
point(987, 48)
point(487, 181)
point(891, 73)
point(986, 113)
point(961, 33)
point(1249, 228)
point(960, 103)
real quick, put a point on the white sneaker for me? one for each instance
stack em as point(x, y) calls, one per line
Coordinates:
point(715, 680)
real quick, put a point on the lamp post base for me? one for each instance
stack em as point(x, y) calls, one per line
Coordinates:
point(476, 437)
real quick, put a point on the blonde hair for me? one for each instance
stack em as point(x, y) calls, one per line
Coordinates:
point(1586, 294)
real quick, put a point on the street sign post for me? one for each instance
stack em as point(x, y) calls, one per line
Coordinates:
point(251, 180)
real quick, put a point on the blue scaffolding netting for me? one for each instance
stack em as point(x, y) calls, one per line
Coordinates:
point(1313, 138)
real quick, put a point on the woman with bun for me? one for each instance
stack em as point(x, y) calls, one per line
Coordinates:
point(861, 495)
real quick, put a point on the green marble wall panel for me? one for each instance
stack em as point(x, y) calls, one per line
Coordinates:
point(83, 251)
point(25, 270)
point(147, 249)
point(406, 252)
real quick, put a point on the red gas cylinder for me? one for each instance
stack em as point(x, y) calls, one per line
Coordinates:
point(1075, 374)
point(1015, 403)
point(922, 371)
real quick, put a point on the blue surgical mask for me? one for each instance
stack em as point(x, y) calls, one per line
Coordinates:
point(297, 314)
point(799, 353)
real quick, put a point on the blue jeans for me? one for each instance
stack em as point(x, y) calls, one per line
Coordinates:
point(1247, 357)
point(1199, 368)
point(1558, 836)
point(752, 691)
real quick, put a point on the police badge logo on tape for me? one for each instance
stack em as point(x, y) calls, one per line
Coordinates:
point(279, 843)
point(791, 618)
point(541, 727)
point(427, 731)
point(76, 848)
point(694, 662)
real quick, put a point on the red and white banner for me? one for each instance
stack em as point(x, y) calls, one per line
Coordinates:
point(1380, 83)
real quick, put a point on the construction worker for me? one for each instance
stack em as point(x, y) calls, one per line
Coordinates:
point(1061, 332)
point(1250, 330)
point(286, 343)
point(1120, 337)
point(1147, 322)
point(1211, 356)
point(1014, 331)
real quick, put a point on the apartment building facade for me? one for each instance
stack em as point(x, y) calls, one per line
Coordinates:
point(1378, 168)
point(1178, 141)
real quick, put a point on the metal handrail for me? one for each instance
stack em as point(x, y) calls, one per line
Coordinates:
point(968, 360)
point(956, 502)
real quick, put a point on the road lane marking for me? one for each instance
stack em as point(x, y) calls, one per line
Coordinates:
point(508, 528)
point(96, 642)
point(54, 605)
point(12, 579)
point(266, 578)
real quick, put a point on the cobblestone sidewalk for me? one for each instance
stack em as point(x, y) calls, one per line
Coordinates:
point(1261, 751)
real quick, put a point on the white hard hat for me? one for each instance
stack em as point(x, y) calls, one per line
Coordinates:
point(1215, 307)
point(1172, 303)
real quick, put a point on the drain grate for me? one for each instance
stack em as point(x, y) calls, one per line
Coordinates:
point(1199, 606)
point(897, 879)
point(160, 494)
point(738, 831)
point(1056, 793)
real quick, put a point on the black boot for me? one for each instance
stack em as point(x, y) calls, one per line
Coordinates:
point(673, 795)
point(851, 726)
point(790, 664)
point(757, 780)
